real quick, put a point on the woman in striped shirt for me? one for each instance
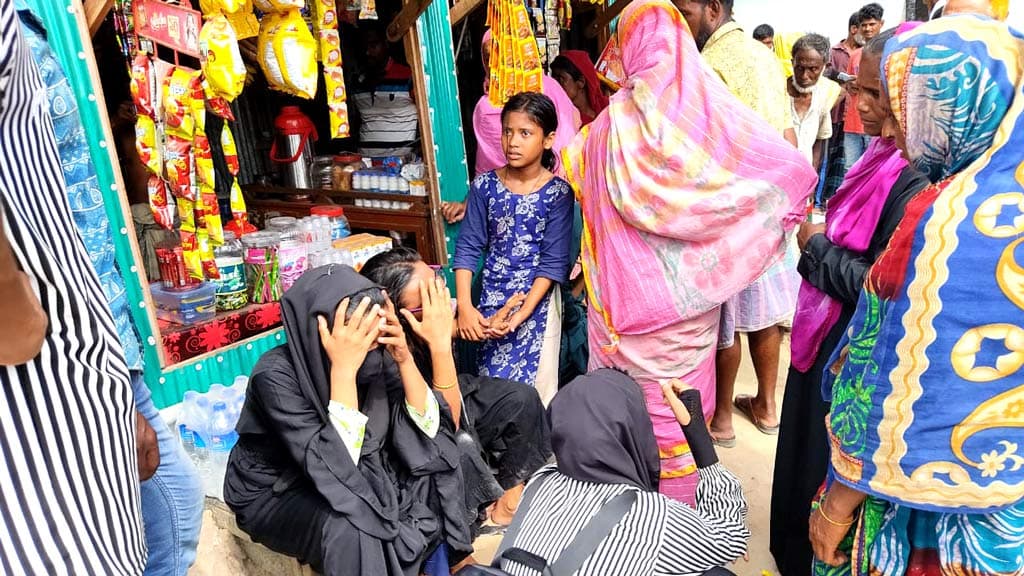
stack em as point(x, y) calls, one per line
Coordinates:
point(604, 444)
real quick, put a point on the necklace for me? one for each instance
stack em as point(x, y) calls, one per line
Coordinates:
point(533, 186)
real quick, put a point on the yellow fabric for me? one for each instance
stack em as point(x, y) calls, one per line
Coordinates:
point(751, 73)
point(783, 46)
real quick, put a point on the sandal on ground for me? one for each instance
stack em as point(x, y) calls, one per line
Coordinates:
point(745, 404)
point(721, 442)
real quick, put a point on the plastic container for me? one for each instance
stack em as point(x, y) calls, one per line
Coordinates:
point(221, 439)
point(281, 223)
point(262, 266)
point(344, 168)
point(185, 307)
point(417, 188)
point(231, 290)
point(336, 214)
point(292, 261)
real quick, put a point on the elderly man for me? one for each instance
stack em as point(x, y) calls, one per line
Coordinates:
point(812, 97)
point(755, 76)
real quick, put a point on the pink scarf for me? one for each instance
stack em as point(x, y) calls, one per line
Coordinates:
point(687, 194)
point(852, 217)
point(487, 124)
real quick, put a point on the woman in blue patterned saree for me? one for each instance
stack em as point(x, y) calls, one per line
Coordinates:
point(927, 416)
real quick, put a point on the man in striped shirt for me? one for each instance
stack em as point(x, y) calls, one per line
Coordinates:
point(69, 482)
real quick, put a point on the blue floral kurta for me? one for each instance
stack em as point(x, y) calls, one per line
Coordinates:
point(525, 237)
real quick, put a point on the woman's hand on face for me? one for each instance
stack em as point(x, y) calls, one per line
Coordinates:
point(436, 326)
point(348, 343)
point(826, 537)
point(392, 335)
point(472, 324)
point(671, 389)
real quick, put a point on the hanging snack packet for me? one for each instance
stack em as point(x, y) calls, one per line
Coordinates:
point(268, 6)
point(337, 106)
point(143, 84)
point(147, 145)
point(367, 9)
point(238, 210)
point(228, 148)
point(163, 211)
point(177, 103)
point(206, 259)
point(211, 213)
point(178, 166)
point(203, 158)
point(287, 54)
point(222, 64)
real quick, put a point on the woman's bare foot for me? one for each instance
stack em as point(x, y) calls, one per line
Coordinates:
point(504, 509)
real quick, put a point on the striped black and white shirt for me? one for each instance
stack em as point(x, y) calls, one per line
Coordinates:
point(658, 536)
point(69, 489)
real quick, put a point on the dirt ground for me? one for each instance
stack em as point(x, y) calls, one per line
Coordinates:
point(753, 462)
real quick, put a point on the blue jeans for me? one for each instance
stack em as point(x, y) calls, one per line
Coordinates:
point(172, 500)
point(854, 146)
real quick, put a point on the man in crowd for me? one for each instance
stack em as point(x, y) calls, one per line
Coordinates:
point(755, 76)
point(812, 97)
point(765, 34)
point(70, 481)
point(856, 140)
point(838, 70)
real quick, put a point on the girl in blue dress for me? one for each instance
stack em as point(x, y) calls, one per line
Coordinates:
point(520, 218)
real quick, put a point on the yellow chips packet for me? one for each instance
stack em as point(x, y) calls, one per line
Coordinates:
point(222, 64)
point(287, 54)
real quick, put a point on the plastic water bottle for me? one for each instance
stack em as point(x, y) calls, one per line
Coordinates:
point(241, 386)
point(222, 438)
point(192, 429)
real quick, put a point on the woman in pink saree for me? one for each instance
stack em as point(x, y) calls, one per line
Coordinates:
point(688, 197)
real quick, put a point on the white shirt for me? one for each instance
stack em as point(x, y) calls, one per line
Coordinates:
point(816, 123)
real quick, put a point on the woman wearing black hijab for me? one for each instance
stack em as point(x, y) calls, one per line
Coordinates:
point(503, 431)
point(604, 445)
point(345, 460)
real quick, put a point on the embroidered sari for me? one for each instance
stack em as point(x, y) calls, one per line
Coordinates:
point(687, 198)
point(927, 407)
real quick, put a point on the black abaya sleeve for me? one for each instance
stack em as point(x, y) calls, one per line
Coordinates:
point(839, 272)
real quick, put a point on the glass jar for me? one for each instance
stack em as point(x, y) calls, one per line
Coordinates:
point(292, 262)
point(231, 287)
point(336, 214)
point(343, 170)
point(261, 266)
point(281, 223)
point(323, 172)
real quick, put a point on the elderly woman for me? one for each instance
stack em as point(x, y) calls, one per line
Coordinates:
point(927, 412)
point(835, 258)
point(687, 197)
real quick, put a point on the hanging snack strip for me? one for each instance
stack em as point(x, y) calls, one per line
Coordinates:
point(330, 55)
point(515, 59)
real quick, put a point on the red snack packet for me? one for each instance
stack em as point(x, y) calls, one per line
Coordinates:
point(143, 84)
point(178, 166)
point(163, 211)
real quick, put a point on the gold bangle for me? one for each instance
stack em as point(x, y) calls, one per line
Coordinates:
point(821, 510)
point(448, 387)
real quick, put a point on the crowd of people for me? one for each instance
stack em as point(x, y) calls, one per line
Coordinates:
point(862, 195)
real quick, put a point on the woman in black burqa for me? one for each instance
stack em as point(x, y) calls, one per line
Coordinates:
point(503, 431)
point(291, 479)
